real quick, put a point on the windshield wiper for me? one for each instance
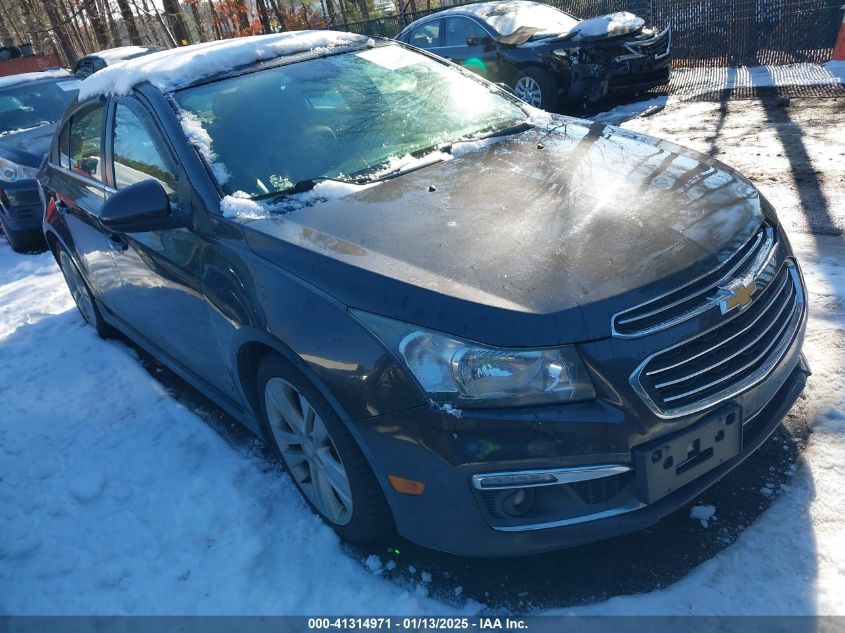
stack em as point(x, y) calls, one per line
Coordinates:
point(510, 130)
point(300, 186)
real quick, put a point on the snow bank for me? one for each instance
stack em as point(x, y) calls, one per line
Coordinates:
point(171, 69)
point(116, 499)
point(11, 80)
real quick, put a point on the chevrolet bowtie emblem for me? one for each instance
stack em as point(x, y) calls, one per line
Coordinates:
point(734, 297)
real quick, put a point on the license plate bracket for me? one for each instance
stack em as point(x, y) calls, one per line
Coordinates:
point(671, 462)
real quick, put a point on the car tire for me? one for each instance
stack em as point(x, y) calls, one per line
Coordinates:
point(537, 87)
point(319, 453)
point(22, 241)
point(81, 293)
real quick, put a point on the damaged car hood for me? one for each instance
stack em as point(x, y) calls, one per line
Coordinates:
point(520, 240)
point(605, 26)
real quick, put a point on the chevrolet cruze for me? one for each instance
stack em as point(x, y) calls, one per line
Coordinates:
point(497, 330)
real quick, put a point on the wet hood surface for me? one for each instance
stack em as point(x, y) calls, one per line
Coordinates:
point(537, 239)
point(28, 146)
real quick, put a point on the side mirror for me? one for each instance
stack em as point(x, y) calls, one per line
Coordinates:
point(480, 40)
point(140, 207)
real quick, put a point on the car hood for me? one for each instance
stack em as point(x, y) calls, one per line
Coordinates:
point(602, 27)
point(28, 147)
point(536, 239)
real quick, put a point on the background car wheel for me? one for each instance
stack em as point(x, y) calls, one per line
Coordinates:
point(320, 454)
point(82, 295)
point(536, 87)
point(22, 241)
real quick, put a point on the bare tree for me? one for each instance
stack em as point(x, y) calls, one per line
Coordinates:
point(176, 22)
point(96, 22)
point(129, 21)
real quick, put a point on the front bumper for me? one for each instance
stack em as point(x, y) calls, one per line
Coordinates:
point(446, 452)
point(20, 205)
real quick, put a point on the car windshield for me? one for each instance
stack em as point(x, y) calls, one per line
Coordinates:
point(31, 104)
point(508, 17)
point(345, 116)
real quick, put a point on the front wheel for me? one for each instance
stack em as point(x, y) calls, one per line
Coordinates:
point(319, 453)
point(537, 87)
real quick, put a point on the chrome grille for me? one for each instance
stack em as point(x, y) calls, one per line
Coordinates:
point(721, 363)
point(745, 265)
point(657, 47)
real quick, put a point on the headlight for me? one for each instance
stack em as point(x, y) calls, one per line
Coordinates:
point(450, 370)
point(10, 172)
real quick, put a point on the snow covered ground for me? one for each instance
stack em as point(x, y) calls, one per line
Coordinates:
point(115, 498)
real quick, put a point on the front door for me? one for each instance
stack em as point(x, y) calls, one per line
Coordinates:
point(480, 57)
point(162, 295)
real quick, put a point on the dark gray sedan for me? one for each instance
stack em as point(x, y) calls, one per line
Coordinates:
point(500, 331)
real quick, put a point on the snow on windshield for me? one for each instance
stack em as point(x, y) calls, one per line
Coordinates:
point(172, 69)
point(12, 80)
point(507, 17)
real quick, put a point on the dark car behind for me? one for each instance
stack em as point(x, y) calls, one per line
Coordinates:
point(499, 330)
point(30, 106)
point(91, 63)
point(549, 58)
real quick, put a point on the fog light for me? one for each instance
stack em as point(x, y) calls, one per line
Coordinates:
point(516, 503)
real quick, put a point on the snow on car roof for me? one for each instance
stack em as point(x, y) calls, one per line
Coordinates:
point(178, 67)
point(113, 55)
point(508, 15)
point(12, 80)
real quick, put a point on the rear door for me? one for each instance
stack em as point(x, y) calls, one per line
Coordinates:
point(161, 295)
point(76, 188)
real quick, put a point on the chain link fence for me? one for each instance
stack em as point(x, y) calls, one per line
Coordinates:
point(705, 33)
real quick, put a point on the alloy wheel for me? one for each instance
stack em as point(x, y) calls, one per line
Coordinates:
point(308, 450)
point(78, 289)
point(529, 91)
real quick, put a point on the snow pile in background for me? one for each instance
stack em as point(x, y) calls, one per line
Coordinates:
point(171, 69)
point(690, 82)
point(116, 499)
point(11, 80)
point(200, 139)
point(611, 25)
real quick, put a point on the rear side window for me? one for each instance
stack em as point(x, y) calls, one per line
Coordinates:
point(86, 138)
point(426, 35)
point(139, 153)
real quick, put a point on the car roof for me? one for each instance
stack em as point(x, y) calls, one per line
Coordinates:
point(476, 10)
point(177, 68)
point(52, 73)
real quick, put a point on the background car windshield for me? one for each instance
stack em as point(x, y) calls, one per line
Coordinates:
point(34, 103)
point(506, 18)
point(340, 116)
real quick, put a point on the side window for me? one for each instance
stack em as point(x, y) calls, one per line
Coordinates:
point(426, 35)
point(63, 147)
point(139, 153)
point(459, 29)
point(86, 135)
